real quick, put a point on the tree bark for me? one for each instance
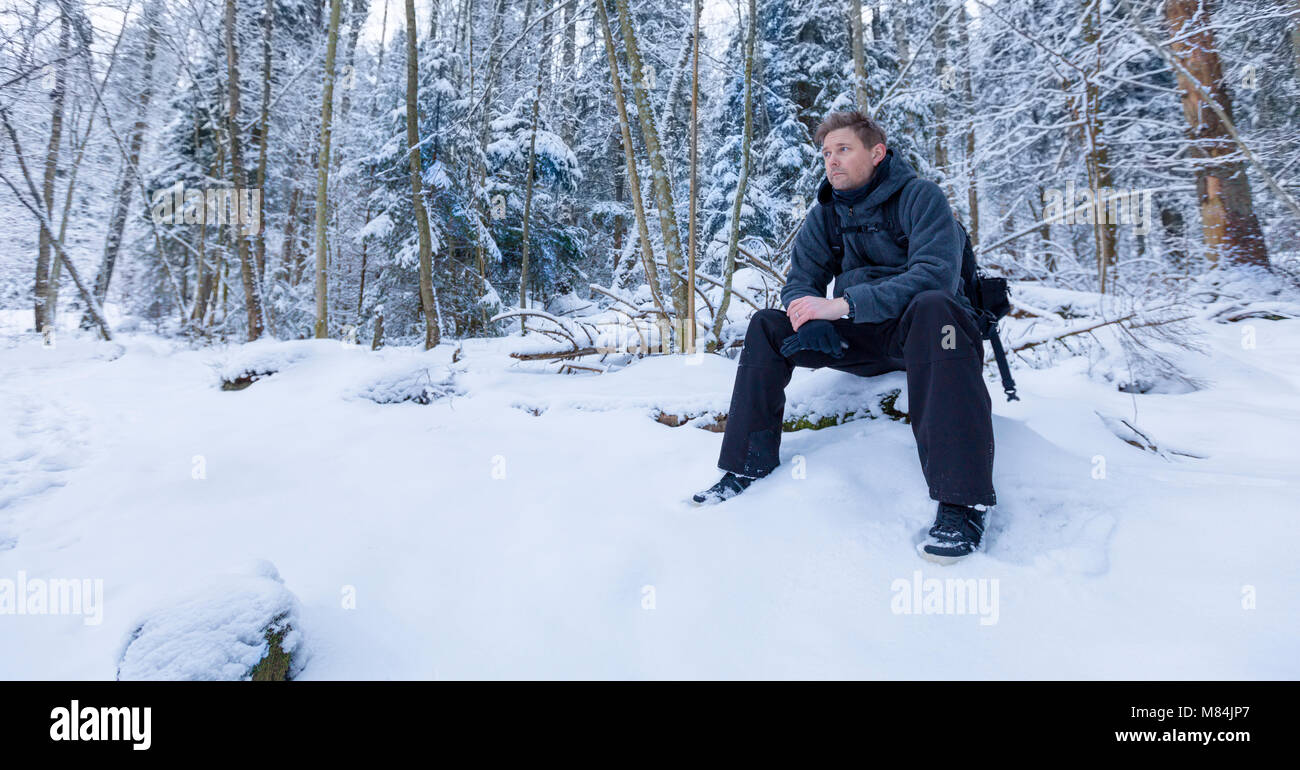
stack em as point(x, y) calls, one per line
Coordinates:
point(42, 287)
point(941, 107)
point(859, 68)
point(633, 179)
point(900, 33)
point(1231, 231)
point(431, 331)
point(689, 320)
point(321, 329)
point(268, 16)
point(661, 184)
point(207, 278)
point(568, 123)
point(542, 67)
point(252, 295)
point(972, 189)
point(498, 18)
point(1097, 158)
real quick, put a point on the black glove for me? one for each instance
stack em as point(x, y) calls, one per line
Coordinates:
point(818, 334)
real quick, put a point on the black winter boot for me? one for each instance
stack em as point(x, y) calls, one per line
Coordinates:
point(727, 487)
point(957, 532)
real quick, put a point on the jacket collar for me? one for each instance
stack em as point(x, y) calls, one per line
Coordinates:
point(896, 173)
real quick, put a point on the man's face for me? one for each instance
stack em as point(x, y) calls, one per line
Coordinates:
point(849, 163)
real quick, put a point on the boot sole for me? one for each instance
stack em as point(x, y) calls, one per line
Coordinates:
point(940, 559)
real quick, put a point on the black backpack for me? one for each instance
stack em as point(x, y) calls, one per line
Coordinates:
point(988, 294)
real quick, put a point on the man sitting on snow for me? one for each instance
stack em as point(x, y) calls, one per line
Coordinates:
point(896, 305)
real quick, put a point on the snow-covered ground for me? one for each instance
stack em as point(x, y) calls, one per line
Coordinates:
point(471, 538)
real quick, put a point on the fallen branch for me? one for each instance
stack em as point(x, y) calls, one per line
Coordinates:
point(1070, 332)
point(641, 312)
point(577, 352)
point(737, 294)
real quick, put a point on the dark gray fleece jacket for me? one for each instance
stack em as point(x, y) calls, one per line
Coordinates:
point(880, 276)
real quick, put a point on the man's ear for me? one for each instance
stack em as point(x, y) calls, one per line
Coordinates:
point(877, 154)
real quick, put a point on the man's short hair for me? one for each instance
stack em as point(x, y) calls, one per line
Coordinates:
point(868, 130)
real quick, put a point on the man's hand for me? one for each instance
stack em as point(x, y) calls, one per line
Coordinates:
point(817, 334)
point(805, 309)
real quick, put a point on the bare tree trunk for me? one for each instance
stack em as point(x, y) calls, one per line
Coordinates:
point(528, 19)
point(431, 331)
point(356, 17)
point(1097, 158)
point(568, 123)
point(943, 73)
point(900, 33)
point(689, 320)
point(1228, 221)
point(542, 66)
point(290, 257)
point(52, 304)
point(42, 288)
point(661, 184)
point(369, 185)
point(263, 124)
point(733, 241)
point(498, 18)
point(207, 280)
point(321, 330)
point(972, 189)
point(252, 296)
point(1175, 231)
point(620, 221)
point(122, 201)
point(1045, 235)
point(633, 179)
point(36, 207)
point(859, 68)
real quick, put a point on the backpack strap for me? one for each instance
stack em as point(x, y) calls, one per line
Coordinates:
point(834, 236)
point(1000, 355)
point(835, 232)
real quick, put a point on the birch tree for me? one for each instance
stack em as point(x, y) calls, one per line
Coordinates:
point(321, 328)
point(431, 331)
point(252, 296)
point(660, 181)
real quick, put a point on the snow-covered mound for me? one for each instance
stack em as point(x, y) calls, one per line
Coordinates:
point(221, 633)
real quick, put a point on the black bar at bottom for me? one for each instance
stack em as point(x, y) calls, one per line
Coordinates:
point(942, 720)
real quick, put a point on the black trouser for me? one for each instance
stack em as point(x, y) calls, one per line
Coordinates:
point(935, 341)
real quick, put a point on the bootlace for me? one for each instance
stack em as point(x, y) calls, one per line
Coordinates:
point(954, 520)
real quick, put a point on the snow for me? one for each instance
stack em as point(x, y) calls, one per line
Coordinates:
point(218, 633)
point(528, 524)
point(378, 227)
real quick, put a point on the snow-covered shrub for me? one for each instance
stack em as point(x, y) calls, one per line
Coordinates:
point(420, 384)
